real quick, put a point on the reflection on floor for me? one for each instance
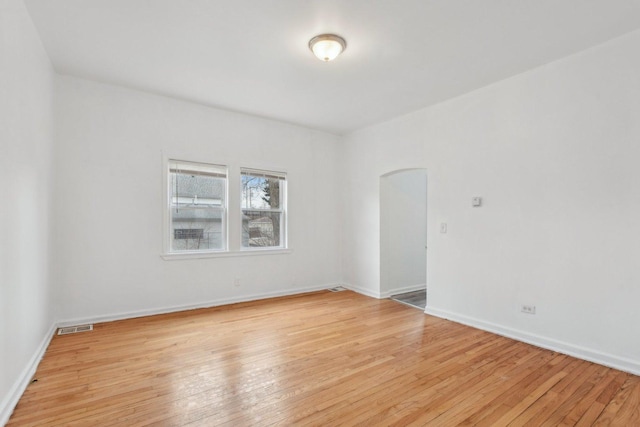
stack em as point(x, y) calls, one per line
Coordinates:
point(417, 299)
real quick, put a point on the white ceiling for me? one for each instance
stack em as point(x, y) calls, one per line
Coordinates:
point(252, 56)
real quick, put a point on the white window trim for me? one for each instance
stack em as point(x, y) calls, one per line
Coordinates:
point(226, 254)
point(233, 189)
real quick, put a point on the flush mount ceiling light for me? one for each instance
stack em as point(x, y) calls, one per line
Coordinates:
point(327, 46)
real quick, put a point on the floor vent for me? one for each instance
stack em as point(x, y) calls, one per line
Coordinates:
point(338, 289)
point(75, 329)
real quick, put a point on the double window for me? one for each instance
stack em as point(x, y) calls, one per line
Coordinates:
point(198, 209)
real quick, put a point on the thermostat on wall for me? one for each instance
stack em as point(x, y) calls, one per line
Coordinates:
point(476, 202)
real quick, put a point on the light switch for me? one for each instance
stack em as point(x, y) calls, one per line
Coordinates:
point(476, 202)
point(443, 227)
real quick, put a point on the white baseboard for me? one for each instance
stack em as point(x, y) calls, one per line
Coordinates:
point(10, 401)
point(386, 294)
point(363, 291)
point(175, 308)
point(403, 290)
point(610, 360)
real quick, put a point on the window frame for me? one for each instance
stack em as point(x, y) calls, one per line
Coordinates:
point(168, 234)
point(283, 211)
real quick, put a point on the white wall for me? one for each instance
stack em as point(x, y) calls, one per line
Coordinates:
point(110, 143)
point(403, 232)
point(554, 152)
point(26, 88)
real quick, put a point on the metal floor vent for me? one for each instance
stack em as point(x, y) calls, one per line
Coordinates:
point(75, 329)
point(338, 289)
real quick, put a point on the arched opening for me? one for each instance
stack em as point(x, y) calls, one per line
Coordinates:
point(403, 235)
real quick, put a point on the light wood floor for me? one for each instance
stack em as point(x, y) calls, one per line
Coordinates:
point(320, 359)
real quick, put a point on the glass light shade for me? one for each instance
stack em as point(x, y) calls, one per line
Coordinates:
point(327, 46)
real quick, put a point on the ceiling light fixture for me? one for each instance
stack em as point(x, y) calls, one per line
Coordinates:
point(327, 46)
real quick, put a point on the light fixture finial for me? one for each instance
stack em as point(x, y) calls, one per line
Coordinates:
point(327, 47)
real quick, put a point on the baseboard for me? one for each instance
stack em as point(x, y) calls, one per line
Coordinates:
point(175, 308)
point(362, 291)
point(11, 400)
point(403, 290)
point(386, 294)
point(610, 360)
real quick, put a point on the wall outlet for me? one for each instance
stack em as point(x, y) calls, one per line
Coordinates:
point(236, 283)
point(529, 309)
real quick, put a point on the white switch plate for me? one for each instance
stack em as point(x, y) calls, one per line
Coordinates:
point(476, 202)
point(443, 227)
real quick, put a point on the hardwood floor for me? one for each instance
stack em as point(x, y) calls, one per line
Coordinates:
point(316, 359)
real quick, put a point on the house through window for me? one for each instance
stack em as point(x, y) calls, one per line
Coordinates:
point(197, 207)
point(263, 209)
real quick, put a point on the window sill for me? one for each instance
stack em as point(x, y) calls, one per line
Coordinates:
point(224, 254)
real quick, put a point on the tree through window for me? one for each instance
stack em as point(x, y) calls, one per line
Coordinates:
point(263, 209)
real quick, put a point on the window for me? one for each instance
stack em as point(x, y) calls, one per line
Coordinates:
point(197, 207)
point(263, 209)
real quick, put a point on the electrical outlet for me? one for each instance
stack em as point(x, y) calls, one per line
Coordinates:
point(528, 309)
point(236, 283)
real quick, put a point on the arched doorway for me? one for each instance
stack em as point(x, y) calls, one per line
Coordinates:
point(403, 233)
